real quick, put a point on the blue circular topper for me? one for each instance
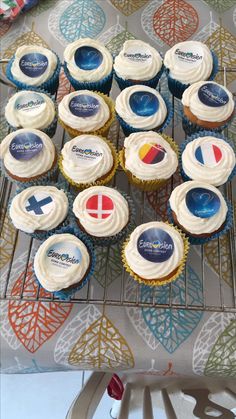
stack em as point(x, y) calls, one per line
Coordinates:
point(88, 58)
point(144, 103)
point(33, 64)
point(84, 106)
point(213, 95)
point(202, 203)
point(155, 245)
point(25, 146)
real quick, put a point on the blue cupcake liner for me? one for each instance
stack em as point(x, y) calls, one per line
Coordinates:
point(202, 240)
point(128, 83)
point(203, 134)
point(177, 88)
point(103, 86)
point(66, 294)
point(51, 85)
point(128, 129)
point(191, 128)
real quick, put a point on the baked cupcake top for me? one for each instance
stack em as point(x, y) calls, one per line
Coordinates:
point(101, 211)
point(84, 110)
point(141, 107)
point(149, 156)
point(27, 152)
point(39, 208)
point(199, 207)
point(33, 64)
point(28, 109)
point(209, 101)
point(88, 60)
point(154, 250)
point(61, 261)
point(86, 158)
point(208, 159)
point(189, 61)
point(137, 61)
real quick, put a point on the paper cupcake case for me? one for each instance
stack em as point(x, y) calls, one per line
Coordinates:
point(103, 86)
point(151, 83)
point(157, 282)
point(177, 88)
point(147, 185)
point(50, 86)
point(191, 128)
point(66, 294)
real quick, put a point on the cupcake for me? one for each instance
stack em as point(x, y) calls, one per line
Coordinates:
point(206, 106)
point(200, 210)
point(39, 209)
point(29, 109)
point(105, 214)
point(34, 66)
point(86, 112)
point(28, 155)
point(149, 159)
point(63, 263)
point(155, 253)
point(187, 63)
point(208, 157)
point(137, 63)
point(141, 108)
point(88, 160)
point(88, 65)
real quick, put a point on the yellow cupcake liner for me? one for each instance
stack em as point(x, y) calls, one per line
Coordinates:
point(106, 178)
point(157, 282)
point(147, 185)
point(103, 131)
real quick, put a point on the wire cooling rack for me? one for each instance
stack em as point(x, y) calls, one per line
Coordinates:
point(202, 286)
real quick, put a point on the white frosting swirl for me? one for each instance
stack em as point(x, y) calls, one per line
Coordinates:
point(137, 61)
point(189, 221)
point(52, 214)
point(96, 74)
point(96, 225)
point(84, 124)
point(55, 278)
point(153, 270)
point(215, 173)
point(39, 115)
point(83, 166)
point(203, 112)
point(35, 166)
point(189, 68)
point(28, 49)
point(163, 169)
point(124, 110)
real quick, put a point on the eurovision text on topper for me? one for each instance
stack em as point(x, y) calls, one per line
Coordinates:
point(202, 202)
point(40, 203)
point(189, 58)
point(86, 152)
point(151, 153)
point(155, 245)
point(30, 102)
point(208, 154)
point(138, 55)
point(63, 255)
point(84, 106)
point(25, 146)
point(33, 64)
point(88, 58)
point(100, 206)
point(213, 95)
point(144, 103)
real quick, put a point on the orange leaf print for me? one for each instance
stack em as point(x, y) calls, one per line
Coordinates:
point(35, 322)
point(5, 26)
point(64, 86)
point(175, 21)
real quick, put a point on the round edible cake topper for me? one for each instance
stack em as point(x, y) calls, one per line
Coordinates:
point(213, 95)
point(84, 106)
point(86, 153)
point(138, 55)
point(62, 255)
point(88, 58)
point(25, 146)
point(30, 102)
point(144, 103)
point(208, 154)
point(33, 64)
point(152, 153)
point(99, 206)
point(155, 245)
point(202, 203)
point(39, 203)
point(187, 57)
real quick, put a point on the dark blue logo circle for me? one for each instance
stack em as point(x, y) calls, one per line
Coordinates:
point(33, 64)
point(144, 103)
point(25, 146)
point(84, 106)
point(213, 95)
point(88, 58)
point(155, 245)
point(202, 203)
